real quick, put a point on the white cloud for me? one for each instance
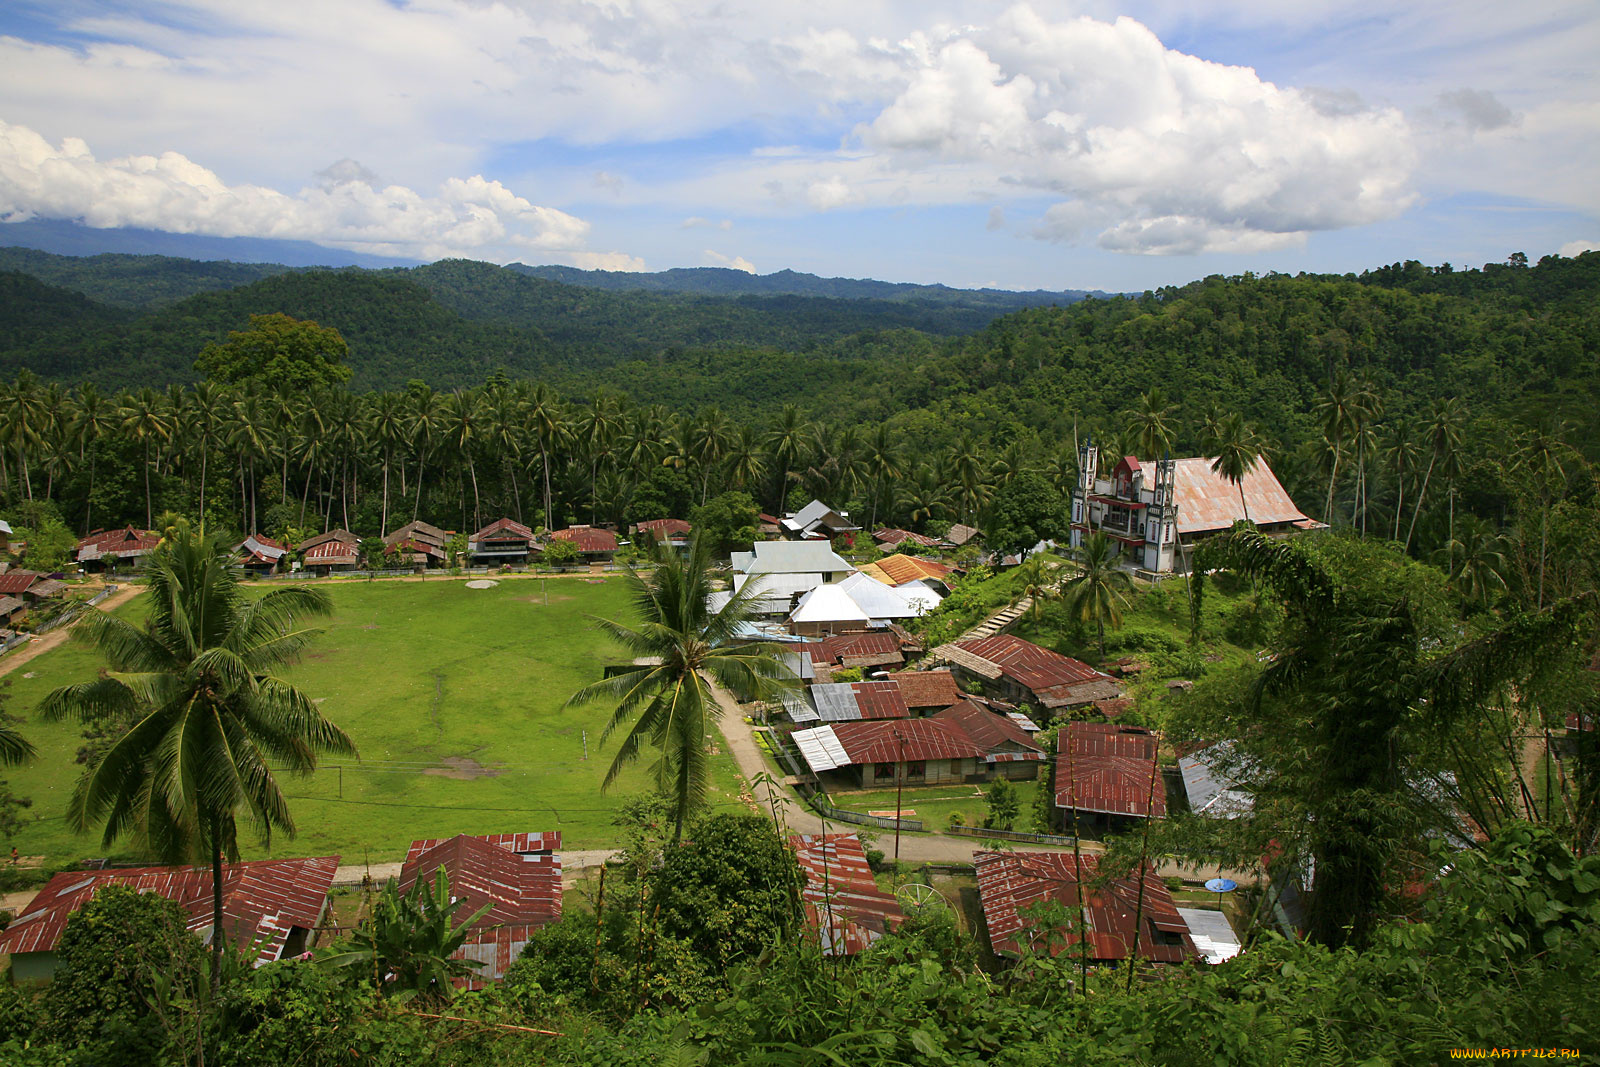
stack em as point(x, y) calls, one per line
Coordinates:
point(695, 222)
point(608, 182)
point(619, 261)
point(736, 262)
point(1578, 248)
point(345, 209)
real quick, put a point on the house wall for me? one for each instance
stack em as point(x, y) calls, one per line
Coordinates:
point(34, 966)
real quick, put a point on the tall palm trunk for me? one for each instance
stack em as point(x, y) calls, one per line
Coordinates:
point(1422, 494)
point(1333, 479)
point(217, 936)
point(416, 508)
point(148, 518)
point(477, 508)
point(204, 454)
point(544, 454)
point(383, 522)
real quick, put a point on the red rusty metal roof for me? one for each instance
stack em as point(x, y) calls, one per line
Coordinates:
point(902, 569)
point(1208, 501)
point(880, 700)
point(14, 582)
point(928, 689)
point(1034, 668)
point(343, 537)
point(660, 528)
point(855, 646)
point(844, 905)
point(990, 731)
point(126, 543)
point(895, 537)
point(329, 553)
point(262, 901)
point(588, 538)
point(503, 530)
point(517, 875)
point(1107, 768)
point(879, 741)
point(1010, 881)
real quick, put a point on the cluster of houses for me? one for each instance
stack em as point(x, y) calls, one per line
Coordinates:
point(20, 591)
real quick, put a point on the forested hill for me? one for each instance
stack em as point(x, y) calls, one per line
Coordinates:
point(134, 281)
point(724, 281)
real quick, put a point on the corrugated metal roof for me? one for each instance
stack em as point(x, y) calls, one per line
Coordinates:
point(9, 604)
point(1211, 933)
point(894, 740)
point(1010, 881)
point(1208, 501)
point(588, 538)
point(828, 603)
point(344, 537)
point(880, 700)
point(793, 557)
point(844, 905)
point(517, 875)
point(128, 543)
point(329, 553)
point(878, 601)
point(15, 581)
point(262, 901)
point(1023, 722)
point(1048, 675)
point(900, 569)
point(959, 535)
point(821, 749)
point(836, 702)
point(990, 731)
point(880, 643)
point(1208, 794)
point(668, 528)
point(888, 536)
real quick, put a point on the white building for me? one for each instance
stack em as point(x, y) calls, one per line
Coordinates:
point(787, 569)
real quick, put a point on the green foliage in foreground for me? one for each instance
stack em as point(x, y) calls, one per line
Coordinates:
point(1504, 951)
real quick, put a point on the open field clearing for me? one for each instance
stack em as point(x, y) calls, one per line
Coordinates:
point(453, 696)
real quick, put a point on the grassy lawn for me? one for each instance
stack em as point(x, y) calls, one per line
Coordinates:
point(934, 804)
point(452, 695)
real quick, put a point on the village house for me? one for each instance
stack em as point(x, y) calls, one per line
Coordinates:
point(890, 539)
point(952, 746)
point(852, 702)
point(926, 692)
point(1109, 774)
point(844, 908)
point(959, 534)
point(502, 541)
point(30, 586)
point(270, 908)
point(1157, 509)
point(594, 543)
point(124, 548)
point(259, 556)
point(1210, 787)
point(518, 876)
point(671, 532)
point(817, 522)
point(418, 544)
point(1022, 672)
point(901, 570)
point(6, 535)
point(787, 569)
point(1135, 908)
point(858, 603)
point(336, 550)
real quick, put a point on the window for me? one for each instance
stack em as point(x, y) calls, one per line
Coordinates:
point(881, 771)
point(916, 769)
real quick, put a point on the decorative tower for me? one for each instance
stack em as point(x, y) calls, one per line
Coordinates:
point(1161, 531)
point(1088, 467)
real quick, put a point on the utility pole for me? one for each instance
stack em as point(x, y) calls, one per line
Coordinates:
point(899, 787)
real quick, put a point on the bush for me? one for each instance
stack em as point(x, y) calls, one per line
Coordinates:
point(728, 890)
point(559, 553)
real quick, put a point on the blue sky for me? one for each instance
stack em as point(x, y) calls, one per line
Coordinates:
point(1042, 145)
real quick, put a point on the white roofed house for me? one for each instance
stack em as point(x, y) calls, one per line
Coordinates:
point(817, 521)
point(1157, 508)
point(787, 569)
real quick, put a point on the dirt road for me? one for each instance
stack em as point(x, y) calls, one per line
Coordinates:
point(40, 645)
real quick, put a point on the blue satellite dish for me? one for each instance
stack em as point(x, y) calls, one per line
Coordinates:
point(1221, 885)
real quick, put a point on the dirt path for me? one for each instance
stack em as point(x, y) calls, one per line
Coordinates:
point(40, 645)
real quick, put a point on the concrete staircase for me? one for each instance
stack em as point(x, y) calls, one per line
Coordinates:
point(994, 624)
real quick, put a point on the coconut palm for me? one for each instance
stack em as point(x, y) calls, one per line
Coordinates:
point(1238, 449)
point(746, 463)
point(1099, 591)
point(411, 939)
point(1442, 433)
point(1337, 411)
point(671, 704)
point(1477, 561)
point(14, 748)
point(789, 440)
point(1151, 422)
point(1402, 454)
point(208, 723)
point(386, 424)
point(145, 418)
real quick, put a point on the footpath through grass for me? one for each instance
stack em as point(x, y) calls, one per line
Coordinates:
point(453, 696)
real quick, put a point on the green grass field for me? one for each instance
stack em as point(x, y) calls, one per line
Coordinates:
point(454, 698)
point(934, 804)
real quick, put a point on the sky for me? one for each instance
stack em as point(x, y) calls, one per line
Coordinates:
point(1117, 146)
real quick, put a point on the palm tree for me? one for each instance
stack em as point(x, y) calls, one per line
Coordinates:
point(549, 425)
point(1402, 454)
point(25, 411)
point(208, 722)
point(461, 420)
point(410, 939)
point(145, 419)
point(1477, 561)
point(1151, 422)
point(597, 429)
point(1336, 410)
point(14, 748)
point(790, 438)
point(427, 418)
point(386, 423)
point(672, 704)
point(1443, 435)
point(1099, 591)
point(708, 445)
point(746, 463)
point(202, 423)
point(94, 418)
point(1238, 449)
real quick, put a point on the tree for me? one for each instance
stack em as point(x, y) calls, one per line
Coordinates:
point(559, 552)
point(278, 351)
point(731, 890)
point(1025, 511)
point(1004, 807)
point(409, 940)
point(1370, 676)
point(210, 725)
point(1238, 449)
point(1151, 423)
point(672, 702)
point(1099, 591)
point(726, 522)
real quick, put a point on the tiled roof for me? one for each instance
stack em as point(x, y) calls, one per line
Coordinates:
point(1208, 501)
point(13, 582)
point(517, 875)
point(989, 730)
point(1056, 680)
point(928, 689)
point(1010, 881)
point(844, 905)
point(262, 901)
point(898, 569)
point(588, 538)
point(503, 530)
point(127, 543)
point(1110, 769)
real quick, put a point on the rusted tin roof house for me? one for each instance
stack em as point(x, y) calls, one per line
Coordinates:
point(1113, 913)
point(336, 550)
point(595, 544)
point(418, 543)
point(127, 544)
point(844, 907)
point(673, 532)
point(1109, 774)
point(1025, 673)
point(517, 875)
point(259, 555)
point(948, 747)
point(270, 907)
point(502, 541)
